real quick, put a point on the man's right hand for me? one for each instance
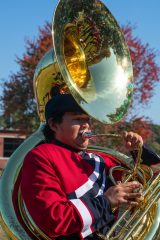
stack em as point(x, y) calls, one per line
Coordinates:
point(124, 193)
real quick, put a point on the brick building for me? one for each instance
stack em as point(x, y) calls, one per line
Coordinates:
point(9, 141)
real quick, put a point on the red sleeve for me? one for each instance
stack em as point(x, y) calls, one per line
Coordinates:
point(44, 197)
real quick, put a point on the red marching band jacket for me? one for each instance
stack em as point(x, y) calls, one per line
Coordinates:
point(63, 190)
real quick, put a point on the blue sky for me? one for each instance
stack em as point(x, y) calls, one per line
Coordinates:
point(19, 20)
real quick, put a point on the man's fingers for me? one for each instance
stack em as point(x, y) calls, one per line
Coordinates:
point(132, 140)
point(131, 186)
point(133, 203)
point(133, 196)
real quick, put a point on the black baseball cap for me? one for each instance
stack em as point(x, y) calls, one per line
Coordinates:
point(61, 103)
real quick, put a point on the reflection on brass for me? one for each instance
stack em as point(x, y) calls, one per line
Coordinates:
point(90, 60)
point(75, 57)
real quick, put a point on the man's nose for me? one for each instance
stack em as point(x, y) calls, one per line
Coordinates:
point(86, 124)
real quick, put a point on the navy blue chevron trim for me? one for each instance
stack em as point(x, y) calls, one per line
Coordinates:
point(101, 212)
point(96, 181)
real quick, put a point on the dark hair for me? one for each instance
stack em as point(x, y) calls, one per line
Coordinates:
point(48, 132)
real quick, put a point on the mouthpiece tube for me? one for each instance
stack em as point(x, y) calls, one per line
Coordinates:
point(89, 135)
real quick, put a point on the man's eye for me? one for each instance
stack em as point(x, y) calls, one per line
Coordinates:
point(79, 119)
point(82, 120)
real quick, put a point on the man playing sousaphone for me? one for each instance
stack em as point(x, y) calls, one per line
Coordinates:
point(64, 190)
point(64, 186)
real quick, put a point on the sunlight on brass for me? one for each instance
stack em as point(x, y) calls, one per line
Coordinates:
point(75, 58)
point(90, 60)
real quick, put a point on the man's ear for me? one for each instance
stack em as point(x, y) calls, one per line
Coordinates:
point(52, 124)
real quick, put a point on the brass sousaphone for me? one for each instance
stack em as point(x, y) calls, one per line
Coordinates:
point(91, 61)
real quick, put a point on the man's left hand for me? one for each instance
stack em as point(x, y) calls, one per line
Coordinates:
point(133, 141)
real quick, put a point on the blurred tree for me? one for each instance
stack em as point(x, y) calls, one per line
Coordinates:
point(18, 98)
point(145, 70)
point(2, 123)
point(137, 124)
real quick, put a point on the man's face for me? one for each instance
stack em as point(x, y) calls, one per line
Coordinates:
point(69, 131)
